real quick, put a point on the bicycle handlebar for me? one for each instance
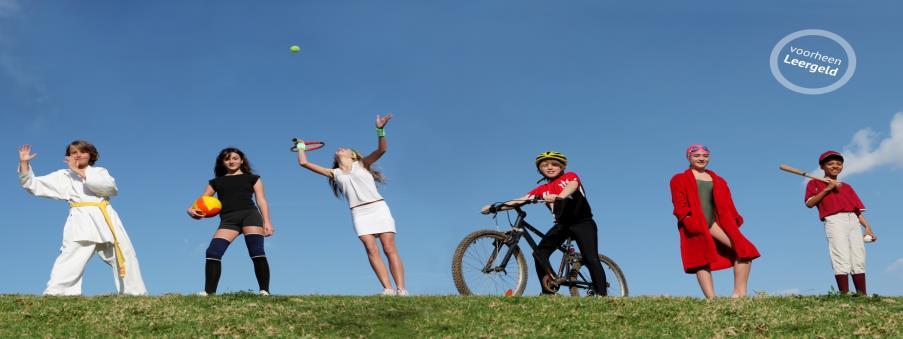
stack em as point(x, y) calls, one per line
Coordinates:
point(495, 208)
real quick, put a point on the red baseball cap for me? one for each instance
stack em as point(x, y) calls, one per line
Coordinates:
point(824, 157)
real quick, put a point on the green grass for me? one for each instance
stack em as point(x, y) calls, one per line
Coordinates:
point(246, 314)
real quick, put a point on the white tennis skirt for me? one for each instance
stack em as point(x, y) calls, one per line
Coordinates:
point(372, 219)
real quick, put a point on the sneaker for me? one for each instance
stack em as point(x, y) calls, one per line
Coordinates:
point(388, 292)
point(201, 294)
point(264, 293)
point(401, 292)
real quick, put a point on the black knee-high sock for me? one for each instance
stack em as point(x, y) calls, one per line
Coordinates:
point(213, 269)
point(258, 256)
point(262, 271)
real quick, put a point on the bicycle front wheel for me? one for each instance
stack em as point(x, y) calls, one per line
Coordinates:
point(615, 281)
point(477, 266)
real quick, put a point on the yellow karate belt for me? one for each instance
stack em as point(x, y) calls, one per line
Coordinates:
point(120, 260)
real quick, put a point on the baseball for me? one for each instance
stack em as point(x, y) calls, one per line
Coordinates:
point(868, 238)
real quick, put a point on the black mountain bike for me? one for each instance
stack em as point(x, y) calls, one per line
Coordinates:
point(490, 262)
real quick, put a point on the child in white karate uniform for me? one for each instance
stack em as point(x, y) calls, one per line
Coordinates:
point(93, 226)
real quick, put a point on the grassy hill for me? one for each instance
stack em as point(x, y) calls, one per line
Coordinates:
point(246, 314)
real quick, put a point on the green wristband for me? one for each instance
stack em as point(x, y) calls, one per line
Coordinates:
point(380, 132)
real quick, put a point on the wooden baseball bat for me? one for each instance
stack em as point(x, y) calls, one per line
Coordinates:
point(799, 172)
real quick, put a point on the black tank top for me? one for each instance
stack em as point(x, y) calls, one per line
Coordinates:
point(235, 191)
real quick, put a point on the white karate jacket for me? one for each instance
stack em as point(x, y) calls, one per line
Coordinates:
point(83, 223)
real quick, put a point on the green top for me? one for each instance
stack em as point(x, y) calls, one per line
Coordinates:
point(706, 200)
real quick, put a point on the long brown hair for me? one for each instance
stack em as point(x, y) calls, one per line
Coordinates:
point(355, 156)
point(86, 147)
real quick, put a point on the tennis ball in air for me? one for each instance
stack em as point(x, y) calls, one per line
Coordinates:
point(208, 206)
point(295, 48)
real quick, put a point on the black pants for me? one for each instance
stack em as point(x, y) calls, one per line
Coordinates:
point(585, 234)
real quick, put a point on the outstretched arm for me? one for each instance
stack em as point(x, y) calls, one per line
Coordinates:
point(54, 185)
point(302, 161)
point(381, 137)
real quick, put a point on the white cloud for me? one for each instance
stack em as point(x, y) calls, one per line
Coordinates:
point(865, 152)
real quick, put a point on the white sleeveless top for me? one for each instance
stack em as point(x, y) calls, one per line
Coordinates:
point(358, 186)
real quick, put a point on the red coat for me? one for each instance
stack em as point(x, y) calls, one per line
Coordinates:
point(697, 247)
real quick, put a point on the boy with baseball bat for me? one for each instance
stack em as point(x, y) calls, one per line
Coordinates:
point(841, 210)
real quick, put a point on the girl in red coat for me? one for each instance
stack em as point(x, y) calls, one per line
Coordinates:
point(709, 225)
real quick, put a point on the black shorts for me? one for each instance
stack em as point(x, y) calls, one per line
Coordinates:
point(235, 220)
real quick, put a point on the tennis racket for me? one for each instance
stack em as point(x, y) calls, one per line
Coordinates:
point(311, 145)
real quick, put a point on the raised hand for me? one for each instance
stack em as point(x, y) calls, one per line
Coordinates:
point(25, 154)
point(299, 145)
point(382, 121)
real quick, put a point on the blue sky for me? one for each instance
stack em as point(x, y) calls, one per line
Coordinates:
point(478, 89)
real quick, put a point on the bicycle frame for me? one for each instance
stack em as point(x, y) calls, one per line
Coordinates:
point(521, 229)
point(481, 266)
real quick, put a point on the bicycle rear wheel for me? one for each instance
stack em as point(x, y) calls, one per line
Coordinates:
point(617, 284)
point(476, 265)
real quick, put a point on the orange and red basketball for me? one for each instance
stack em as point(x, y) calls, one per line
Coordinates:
point(208, 206)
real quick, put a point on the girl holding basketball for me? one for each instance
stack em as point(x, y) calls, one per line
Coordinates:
point(353, 176)
point(235, 184)
point(93, 226)
point(709, 225)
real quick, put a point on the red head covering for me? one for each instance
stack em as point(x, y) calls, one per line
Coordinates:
point(824, 157)
point(694, 148)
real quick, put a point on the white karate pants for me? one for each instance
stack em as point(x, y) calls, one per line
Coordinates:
point(66, 276)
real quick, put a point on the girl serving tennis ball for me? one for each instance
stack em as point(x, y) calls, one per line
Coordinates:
point(353, 176)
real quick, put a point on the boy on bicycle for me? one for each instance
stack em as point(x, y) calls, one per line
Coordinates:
point(564, 196)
